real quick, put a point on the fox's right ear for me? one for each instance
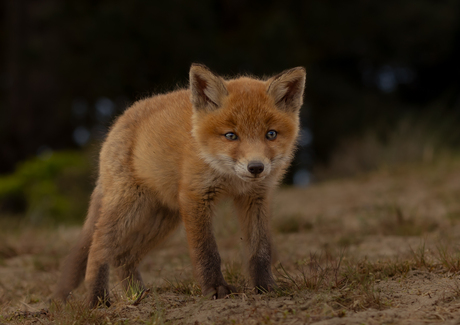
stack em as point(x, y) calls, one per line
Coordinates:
point(208, 89)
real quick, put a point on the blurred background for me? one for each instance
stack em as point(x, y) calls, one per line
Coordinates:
point(383, 81)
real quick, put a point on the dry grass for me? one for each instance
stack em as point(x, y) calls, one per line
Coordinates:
point(371, 249)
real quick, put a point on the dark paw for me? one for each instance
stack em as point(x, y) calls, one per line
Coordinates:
point(219, 292)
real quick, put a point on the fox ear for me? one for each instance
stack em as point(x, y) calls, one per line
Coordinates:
point(287, 89)
point(208, 89)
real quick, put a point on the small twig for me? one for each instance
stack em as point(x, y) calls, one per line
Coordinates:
point(288, 276)
point(439, 316)
point(142, 295)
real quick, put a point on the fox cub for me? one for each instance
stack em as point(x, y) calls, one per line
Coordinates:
point(171, 157)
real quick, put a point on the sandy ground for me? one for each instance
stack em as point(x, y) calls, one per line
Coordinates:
point(376, 249)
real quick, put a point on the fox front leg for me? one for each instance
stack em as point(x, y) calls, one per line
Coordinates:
point(253, 214)
point(197, 212)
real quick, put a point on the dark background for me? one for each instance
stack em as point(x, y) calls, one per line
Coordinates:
point(69, 67)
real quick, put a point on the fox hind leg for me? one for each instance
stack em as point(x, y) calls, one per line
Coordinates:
point(122, 240)
point(97, 272)
point(74, 266)
point(159, 223)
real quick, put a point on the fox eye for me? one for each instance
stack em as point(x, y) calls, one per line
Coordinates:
point(231, 136)
point(271, 135)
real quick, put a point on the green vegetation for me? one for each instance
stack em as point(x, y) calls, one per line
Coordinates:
point(52, 188)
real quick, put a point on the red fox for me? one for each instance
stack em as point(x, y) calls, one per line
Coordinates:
point(171, 157)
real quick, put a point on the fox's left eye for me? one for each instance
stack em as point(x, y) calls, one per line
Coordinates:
point(271, 135)
point(231, 136)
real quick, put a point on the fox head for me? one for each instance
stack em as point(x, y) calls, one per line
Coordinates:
point(246, 127)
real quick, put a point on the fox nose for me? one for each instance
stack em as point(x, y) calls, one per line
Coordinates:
point(255, 167)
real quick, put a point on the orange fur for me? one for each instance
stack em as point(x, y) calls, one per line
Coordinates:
point(168, 158)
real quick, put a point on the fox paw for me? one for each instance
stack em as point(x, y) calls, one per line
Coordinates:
point(219, 292)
